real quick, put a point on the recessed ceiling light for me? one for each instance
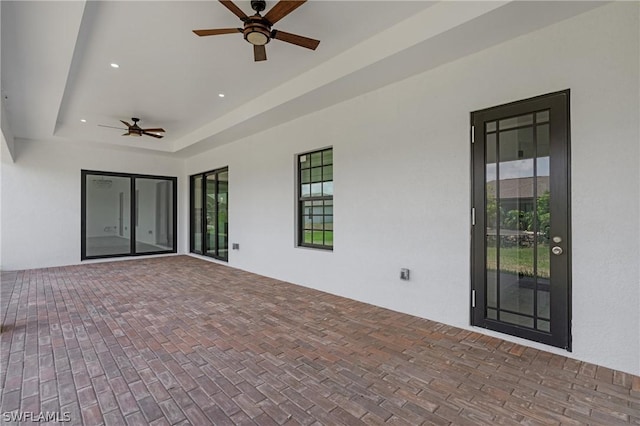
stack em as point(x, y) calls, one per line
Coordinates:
point(114, 65)
point(221, 95)
point(83, 120)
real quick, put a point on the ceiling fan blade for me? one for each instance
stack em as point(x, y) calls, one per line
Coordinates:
point(259, 53)
point(298, 40)
point(126, 134)
point(235, 9)
point(125, 123)
point(111, 127)
point(152, 135)
point(282, 9)
point(154, 130)
point(217, 31)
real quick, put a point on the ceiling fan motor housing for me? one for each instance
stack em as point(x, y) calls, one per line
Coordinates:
point(135, 130)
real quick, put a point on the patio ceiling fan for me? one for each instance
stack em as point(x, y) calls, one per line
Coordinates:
point(135, 130)
point(257, 28)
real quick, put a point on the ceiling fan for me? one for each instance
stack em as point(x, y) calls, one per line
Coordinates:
point(135, 130)
point(257, 28)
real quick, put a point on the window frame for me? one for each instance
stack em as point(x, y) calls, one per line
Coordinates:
point(300, 200)
point(133, 213)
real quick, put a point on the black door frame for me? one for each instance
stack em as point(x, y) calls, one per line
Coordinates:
point(560, 177)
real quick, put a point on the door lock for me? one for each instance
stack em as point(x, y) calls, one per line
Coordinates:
point(556, 250)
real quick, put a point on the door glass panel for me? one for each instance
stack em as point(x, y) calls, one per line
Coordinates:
point(542, 116)
point(515, 175)
point(542, 223)
point(492, 220)
point(516, 319)
point(223, 222)
point(509, 123)
point(517, 219)
point(154, 215)
point(197, 214)
point(210, 215)
point(108, 215)
point(544, 326)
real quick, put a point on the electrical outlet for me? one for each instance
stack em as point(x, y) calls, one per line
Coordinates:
point(404, 274)
point(235, 246)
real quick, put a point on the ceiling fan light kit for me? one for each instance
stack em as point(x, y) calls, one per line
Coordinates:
point(255, 32)
point(257, 28)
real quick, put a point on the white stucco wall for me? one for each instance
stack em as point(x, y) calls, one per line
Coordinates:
point(41, 198)
point(402, 182)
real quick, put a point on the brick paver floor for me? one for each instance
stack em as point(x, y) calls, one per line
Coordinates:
point(178, 340)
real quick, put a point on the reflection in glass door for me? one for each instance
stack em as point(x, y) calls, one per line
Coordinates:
point(211, 213)
point(223, 221)
point(107, 208)
point(154, 215)
point(521, 234)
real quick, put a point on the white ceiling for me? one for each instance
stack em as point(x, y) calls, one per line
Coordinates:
point(56, 58)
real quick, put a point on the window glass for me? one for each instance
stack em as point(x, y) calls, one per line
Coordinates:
point(315, 195)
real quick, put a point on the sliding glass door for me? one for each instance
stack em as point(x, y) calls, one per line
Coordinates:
point(127, 215)
point(209, 214)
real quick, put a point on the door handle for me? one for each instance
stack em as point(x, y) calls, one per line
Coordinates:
point(556, 250)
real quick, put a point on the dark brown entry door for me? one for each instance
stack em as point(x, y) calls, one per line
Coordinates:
point(520, 219)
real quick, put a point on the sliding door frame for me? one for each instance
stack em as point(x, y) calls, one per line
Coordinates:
point(203, 212)
point(132, 213)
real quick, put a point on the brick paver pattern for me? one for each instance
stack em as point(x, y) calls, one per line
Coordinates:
point(179, 340)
